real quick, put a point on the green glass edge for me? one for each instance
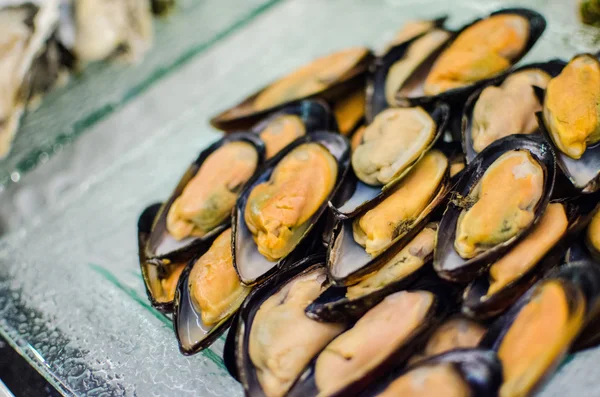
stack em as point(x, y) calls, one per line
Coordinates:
point(32, 159)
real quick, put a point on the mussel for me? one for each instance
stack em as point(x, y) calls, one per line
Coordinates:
point(414, 28)
point(495, 203)
point(31, 59)
point(200, 206)
point(592, 235)
point(506, 106)
point(160, 279)
point(395, 329)
point(279, 206)
point(273, 338)
point(408, 265)
point(386, 152)
point(571, 120)
point(535, 334)
point(349, 111)
point(208, 294)
point(329, 77)
point(363, 244)
point(453, 334)
point(461, 373)
point(293, 121)
point(390, 71)
point(478, 53)
point(514, 272)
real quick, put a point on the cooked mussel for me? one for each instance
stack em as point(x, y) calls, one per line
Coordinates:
point(535, 334)
point(571, 120)
point(592, 235)
point(512, 274)
point(400, 150)
point(409, 264)
point(293, 121)
point(453, 334)
point(505, 107)
point(200, 206)
point(391, 70)
point(274, 339)
point(478, 53)
point(415, 28)
point(329, 77)
point(208, 294)
point(361, 245)
point(395, 328)
point(349, 111)
point(160, 279)
point(497, 200)
point(461, 373)
point(280, 206)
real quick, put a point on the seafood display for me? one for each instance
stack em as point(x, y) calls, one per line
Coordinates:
point(355, 244)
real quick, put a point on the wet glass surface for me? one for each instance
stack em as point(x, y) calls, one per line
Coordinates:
point(71, 295)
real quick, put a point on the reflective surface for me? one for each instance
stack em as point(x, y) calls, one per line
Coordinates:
point(71, 295)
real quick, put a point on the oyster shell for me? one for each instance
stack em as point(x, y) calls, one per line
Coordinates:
point(107, 28)
point(503, 203)
point(360, 245)
point(264, 235)
point(393, 142)
point(461, 373)
point(30, 61)
point(208, 294)
point(470, 238)
point(329, 77)
point(200, 206)
point(572, 106)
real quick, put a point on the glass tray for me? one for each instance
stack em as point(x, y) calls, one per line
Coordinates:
point(71, 296)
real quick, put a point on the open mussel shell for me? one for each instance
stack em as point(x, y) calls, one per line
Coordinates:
point(537, 25)
point(364, 196)
point(552, 68)
point(580, 285)
point(229, 349)
point(239, 341)
point(244, 114)
point(583, 173)
point(475, 303)
point(446, 261)
point(251, 265)
point(479, 369)
point(444, 303)
point(161, 246)
point(376, 100)
point(154, 271)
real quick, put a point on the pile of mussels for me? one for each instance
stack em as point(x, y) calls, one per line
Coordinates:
point(448, 248)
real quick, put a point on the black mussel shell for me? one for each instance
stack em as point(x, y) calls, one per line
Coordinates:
point(377, 76)
point(315, 115)
point(160, 245)
point(364, 196)
point(446, 261)
point(241, 340)
point(537, 25)
point(243, 115)
point(552, 67)
point(229, 349)
point(333, 305)
point(579, 212)
point(583, 173)
point(192, 334)
point(153, 270)
point(348, 262)
point(245, 252)
point(444, 304)
point(480, 369)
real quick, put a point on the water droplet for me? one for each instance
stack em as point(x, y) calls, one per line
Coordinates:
point(15, 176)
